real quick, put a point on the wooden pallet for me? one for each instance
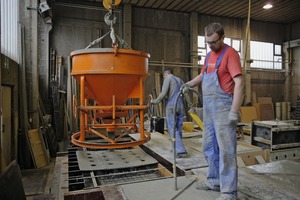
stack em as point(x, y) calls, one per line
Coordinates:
point(253, 157)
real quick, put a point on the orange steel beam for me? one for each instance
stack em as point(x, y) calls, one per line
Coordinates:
point(98, 125)
point(118, 107)
point(85, 113)
point(142, 136)
point(132, 118)
point(82, 114)
point(103, 136)
point(111, 126)
point(94, 145)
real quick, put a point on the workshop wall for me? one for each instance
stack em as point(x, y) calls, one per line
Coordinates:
point(75, 28)
point(295, 89)
point(165, 35)
point(10, 114)
point(233, 27)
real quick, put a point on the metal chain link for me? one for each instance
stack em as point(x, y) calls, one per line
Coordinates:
point(110, 22)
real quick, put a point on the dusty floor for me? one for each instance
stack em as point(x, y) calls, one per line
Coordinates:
point(274, 180)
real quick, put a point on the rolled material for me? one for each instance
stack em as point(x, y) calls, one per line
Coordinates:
point(278, 110)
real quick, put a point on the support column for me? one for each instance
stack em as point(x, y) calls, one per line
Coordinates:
point(245, 62)
point(194, 50)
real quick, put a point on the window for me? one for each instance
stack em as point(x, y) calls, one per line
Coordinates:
point(277, 57)
point(203, 49)
point(265, 55)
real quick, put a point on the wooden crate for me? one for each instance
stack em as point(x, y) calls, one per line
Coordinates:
point(275, 135)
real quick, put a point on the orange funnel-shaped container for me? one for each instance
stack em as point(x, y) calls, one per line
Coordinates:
point(109, 72)
point(110, 77)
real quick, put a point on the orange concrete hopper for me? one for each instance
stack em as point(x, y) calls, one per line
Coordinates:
point(110, 77)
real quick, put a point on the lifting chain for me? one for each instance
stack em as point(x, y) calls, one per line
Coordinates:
point(110, 19)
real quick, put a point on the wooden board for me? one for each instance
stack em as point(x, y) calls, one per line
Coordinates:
point(38, 148)
point(264, 100)
point(248, 114)
point(265, 111)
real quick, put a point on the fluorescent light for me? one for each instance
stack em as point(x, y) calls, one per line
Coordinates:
point(268, 6)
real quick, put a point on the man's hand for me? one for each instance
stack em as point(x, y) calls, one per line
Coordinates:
point(185, 88)
point(233, 117)
point(152, 102)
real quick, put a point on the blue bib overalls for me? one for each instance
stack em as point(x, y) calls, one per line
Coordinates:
point(179, 117)
point(219, 136)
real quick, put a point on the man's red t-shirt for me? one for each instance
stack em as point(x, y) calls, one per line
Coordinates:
point(229, 68)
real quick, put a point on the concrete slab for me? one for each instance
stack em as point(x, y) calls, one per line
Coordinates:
point(165, 189)
point(282, 178)
point(114, 159)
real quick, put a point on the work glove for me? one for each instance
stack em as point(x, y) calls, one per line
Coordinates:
point(233, 117)
point(185, 88)
point(152, 102)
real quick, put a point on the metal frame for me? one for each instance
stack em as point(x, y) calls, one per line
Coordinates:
point(79, 137)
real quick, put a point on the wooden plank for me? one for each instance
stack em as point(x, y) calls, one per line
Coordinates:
point(240, 162)
point(36, 142)
point(289, 145)
point(260, 139)
point(260, 159)
point(163, 171)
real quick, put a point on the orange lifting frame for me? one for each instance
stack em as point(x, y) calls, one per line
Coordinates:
point(82, 73)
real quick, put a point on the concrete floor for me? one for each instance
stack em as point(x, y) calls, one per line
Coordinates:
point(265, 181)
point(274, 180)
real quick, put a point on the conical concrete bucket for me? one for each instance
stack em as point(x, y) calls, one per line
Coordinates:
point(110, 77)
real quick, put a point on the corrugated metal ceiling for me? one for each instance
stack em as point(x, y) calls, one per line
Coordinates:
point(283, 11)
